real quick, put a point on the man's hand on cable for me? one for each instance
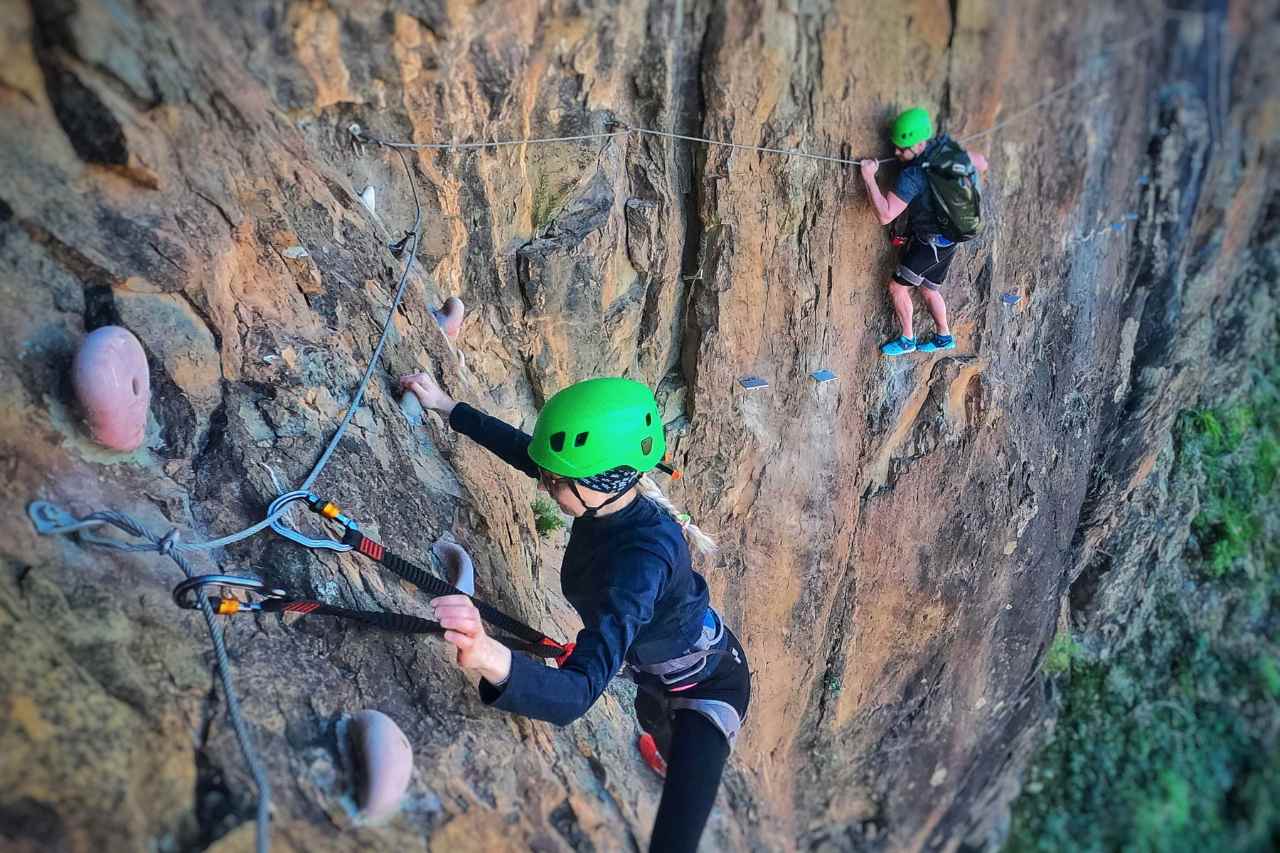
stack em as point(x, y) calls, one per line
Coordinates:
point(477, 651)
point(428, 391)
point(869, 168)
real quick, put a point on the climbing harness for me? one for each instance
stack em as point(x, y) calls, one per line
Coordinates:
point(678, 670)
point(657, 699)
point(524, 639)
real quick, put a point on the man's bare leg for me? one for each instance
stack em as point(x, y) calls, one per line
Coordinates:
point(937, 310)
point(900, 294)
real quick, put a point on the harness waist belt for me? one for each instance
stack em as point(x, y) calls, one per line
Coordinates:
point(692, 662)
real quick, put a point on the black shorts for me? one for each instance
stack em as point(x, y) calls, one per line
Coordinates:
point(727, 687)
point(924, 265)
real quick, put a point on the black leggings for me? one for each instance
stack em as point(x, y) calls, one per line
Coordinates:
point(698, 756)
point(694, 748)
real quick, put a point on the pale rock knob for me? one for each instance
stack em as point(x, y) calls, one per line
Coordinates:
point(449, 316)
point(113, 386)
point(384, 761)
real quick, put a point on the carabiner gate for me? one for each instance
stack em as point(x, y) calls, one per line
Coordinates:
point(316, 505)
point(186, 594)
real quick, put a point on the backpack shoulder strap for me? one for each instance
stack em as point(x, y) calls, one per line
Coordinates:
point(949, 159)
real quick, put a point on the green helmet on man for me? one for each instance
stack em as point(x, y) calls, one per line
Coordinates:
point(912, 126)
point(598, 425)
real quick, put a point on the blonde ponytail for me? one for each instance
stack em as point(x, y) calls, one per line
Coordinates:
point(701, 542)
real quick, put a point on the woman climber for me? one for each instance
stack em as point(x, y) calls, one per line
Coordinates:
point(628, 573)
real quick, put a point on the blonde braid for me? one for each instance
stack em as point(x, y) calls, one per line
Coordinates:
point(701, 542)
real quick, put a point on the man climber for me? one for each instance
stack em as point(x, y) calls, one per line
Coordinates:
point(938, 189)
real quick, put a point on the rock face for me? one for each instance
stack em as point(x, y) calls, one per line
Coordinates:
point(898, 545)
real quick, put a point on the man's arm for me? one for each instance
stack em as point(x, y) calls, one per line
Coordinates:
point(887, 209)
point(979, 162)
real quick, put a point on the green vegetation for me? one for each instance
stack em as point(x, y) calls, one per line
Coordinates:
point(547, 201)
point(1239, 453)
point(546, 517)
point(1173, 742)
point(1060, 655)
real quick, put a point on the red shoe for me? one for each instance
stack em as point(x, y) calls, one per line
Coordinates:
point(649, 752)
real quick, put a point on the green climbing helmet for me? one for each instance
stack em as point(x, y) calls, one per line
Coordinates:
point(597, 425)
point(911, 127)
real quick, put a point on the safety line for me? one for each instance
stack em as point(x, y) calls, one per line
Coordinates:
point(471, 146)
point(786, 152)
point(247, 532)
point(50, 520)
point(764, 149)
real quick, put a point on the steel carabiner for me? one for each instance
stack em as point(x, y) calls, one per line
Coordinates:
point(185, 594)
point(315, 504)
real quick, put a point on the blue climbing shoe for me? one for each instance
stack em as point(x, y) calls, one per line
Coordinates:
point(899, 346)
point(937, 342)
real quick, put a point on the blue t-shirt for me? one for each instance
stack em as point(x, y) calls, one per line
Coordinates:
point(629, 576)
point(912, 187)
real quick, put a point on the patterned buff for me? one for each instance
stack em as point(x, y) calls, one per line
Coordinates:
point(614, 480)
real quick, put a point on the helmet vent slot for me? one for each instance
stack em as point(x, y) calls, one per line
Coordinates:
point(580, 439)
point(646, 445)
point(557, 442)
point(648, 419)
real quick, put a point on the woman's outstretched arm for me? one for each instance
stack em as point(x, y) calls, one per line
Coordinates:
point(499, 438)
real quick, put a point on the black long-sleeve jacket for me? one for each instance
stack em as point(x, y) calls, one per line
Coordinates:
point(629, 576)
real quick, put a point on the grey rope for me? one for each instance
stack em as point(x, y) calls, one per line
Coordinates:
point(346, 419)
point(382, 341)
point(49, 519)
point(786, 152)
point(364, 136)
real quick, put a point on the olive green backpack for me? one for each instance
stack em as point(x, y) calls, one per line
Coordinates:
point(953, 188)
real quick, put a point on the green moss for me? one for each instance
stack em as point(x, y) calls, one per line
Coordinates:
point(1238, 450)
point(1060, 655)
point(1173, 743)
point(546, 517)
